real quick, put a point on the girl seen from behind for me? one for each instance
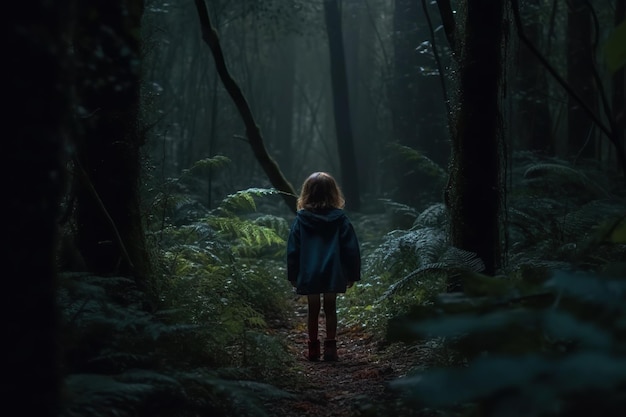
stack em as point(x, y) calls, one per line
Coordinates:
point(323, 257)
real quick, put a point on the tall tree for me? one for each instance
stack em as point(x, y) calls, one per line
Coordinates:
point(341, 104)
point(533, 116)
point(417, 102)
point(580, 126)
point(108, 164)
point(474, 192)
point(285, 84)
point(619, 86)
point(33, 177)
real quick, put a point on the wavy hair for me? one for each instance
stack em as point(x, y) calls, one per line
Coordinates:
point(320, 191)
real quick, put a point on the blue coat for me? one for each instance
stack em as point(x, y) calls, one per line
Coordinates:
point(322, 252)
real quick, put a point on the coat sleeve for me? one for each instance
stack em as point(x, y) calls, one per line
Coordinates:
point(293, 252)
point(350, 252)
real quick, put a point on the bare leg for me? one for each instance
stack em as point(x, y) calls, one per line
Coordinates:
point(314, 313)
point(330, 311)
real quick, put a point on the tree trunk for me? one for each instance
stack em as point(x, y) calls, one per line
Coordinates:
point(619, 88)
point(107, 47)
point(285, 83)
point(37, 92)
point(341, 105)
point(581, 137)
point(533, 115)
point(475, 187)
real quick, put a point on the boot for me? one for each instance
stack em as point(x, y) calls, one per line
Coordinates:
point(330, 350)
point(314, 350)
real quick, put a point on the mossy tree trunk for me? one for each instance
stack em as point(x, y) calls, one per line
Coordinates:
point(475, 187)
point(36, 91)
point(108, 164)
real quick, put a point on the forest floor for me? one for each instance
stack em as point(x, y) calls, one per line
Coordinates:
point(357, 384)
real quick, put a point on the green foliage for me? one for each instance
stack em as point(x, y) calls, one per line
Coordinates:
point(408, 267)
point(420, 162)
point(558, 212)
point(220, 284)
point(525, 348)
point(615, 48)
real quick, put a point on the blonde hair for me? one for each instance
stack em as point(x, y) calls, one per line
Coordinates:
point(320, 191)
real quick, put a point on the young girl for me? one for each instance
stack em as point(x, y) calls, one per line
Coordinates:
point(323, 256)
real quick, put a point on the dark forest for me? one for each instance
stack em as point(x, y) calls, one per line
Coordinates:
point(152, 160)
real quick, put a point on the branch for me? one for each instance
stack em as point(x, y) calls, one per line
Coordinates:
point(438, 61)
point(552, 71)
point(610, 134)
point(269, 166)
point(82, 174)
point(447, 18)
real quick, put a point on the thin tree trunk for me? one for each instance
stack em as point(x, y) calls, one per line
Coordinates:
point(475, 188)
point(581, 136)
point(533, 115)
point(286, 77)
point(341, 105)
point(269, 166)
point(619, 89)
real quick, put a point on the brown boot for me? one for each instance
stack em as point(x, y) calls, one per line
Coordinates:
point(314, 350)
point(330, 350)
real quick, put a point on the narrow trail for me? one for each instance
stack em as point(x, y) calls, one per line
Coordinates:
point(356, 385)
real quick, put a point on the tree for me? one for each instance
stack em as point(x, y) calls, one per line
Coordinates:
point(475, 187)
point(253, 132)
point(580, 126)
point(418, 108)
point(108, 161)
point(341, 104)
point(533, 115)
point(619, 87)
point(33, 174)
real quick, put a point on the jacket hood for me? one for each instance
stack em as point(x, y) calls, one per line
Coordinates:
point(319, 218)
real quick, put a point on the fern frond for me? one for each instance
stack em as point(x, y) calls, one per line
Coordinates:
point(449, 262)
point(421, 162)
point(582, 222)
point(249, 236)
point(433, 216)
point(100, 395)
point(244, 200)
point(563, 174)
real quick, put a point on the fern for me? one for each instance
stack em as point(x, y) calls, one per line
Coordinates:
point(420, 161)
point(244, 200)
point(251, 237)
point(547, 344)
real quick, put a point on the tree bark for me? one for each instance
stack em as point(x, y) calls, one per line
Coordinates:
point(475, 187)
point(581, 137)
point(109, 222)
point(286, 80)
point(269, 166)
point(533, 115)
point(341, 105)
point(37, 90)
point(619, 90)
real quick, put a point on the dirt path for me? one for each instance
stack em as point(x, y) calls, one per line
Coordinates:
point(356, 385)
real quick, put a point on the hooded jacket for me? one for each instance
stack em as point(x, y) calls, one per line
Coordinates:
point(322, 252)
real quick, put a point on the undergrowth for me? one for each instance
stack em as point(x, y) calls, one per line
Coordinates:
point(208, 349)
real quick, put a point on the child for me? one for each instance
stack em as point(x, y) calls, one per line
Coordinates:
point(323, 256)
